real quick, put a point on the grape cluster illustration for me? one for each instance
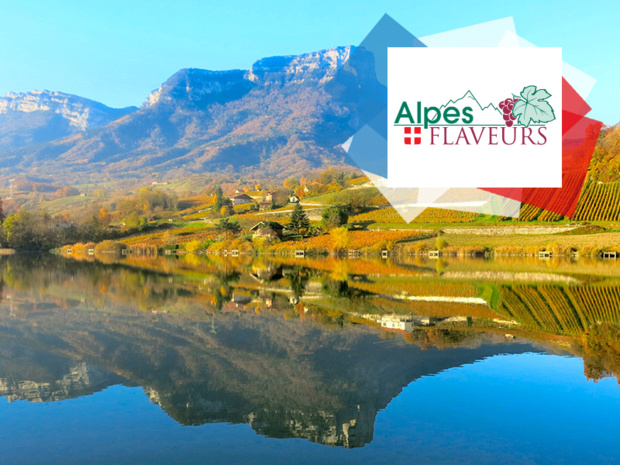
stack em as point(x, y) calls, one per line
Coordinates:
point(506, 106)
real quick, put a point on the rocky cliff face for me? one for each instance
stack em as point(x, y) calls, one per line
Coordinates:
point(80, 380)
point(318, 66)
point(43, 116)
point(198, 88)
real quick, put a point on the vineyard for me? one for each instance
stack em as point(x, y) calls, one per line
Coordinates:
point(409, 287)
point(356, 240)
point(433, 309)
point(532, 213)
point(599, 202)
point(558, 309)
point(430, 215)
point(174, 236)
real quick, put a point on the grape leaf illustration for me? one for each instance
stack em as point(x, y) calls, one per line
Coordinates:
point(533, 107)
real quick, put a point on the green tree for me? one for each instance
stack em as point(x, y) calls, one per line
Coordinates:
point(152, 200)
point(30, 231)
point(358, 200)
point(132, 220)
point(335, 288)
point(92, 229)
point(217, 202)
point(281, 196)
point(227, 226)
point(220, 201)
point(299, 220)
point(334, 217)
point(339, 179)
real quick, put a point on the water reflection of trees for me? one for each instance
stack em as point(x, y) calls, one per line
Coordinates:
point(298, 278)
point(600, 349)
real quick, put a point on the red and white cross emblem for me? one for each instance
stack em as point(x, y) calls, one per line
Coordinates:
point(416, 140)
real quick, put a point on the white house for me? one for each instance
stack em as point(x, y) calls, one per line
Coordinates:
point(242, 199)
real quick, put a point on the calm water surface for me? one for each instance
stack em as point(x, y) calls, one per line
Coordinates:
point(193, 360)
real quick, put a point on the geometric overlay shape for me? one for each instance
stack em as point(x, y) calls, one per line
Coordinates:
point(488, 34)
point(368, 151)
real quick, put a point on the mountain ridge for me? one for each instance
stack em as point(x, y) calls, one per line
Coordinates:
point(276, 118)
point(34, 117)
point(470, 95)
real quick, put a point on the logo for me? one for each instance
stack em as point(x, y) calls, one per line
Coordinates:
point(456, 118)
point(527, 115)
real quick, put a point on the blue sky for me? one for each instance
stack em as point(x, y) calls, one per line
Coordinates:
point(118, 51)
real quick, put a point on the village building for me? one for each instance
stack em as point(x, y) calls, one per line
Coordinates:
point(242, 199)
point(269, 229)
point(269, 196)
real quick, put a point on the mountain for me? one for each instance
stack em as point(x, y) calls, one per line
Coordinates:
point(276, 118)
point(489, 114)
point(78, 379)
point(42, 116)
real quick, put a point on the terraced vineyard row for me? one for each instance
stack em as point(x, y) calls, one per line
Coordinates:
point(560, 309)
point(531, 213)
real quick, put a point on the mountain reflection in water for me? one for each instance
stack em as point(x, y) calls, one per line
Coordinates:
point(309, 349)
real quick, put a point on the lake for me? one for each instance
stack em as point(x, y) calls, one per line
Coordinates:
point(188, 360)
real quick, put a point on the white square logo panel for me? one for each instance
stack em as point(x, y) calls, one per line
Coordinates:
point(474, 117)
